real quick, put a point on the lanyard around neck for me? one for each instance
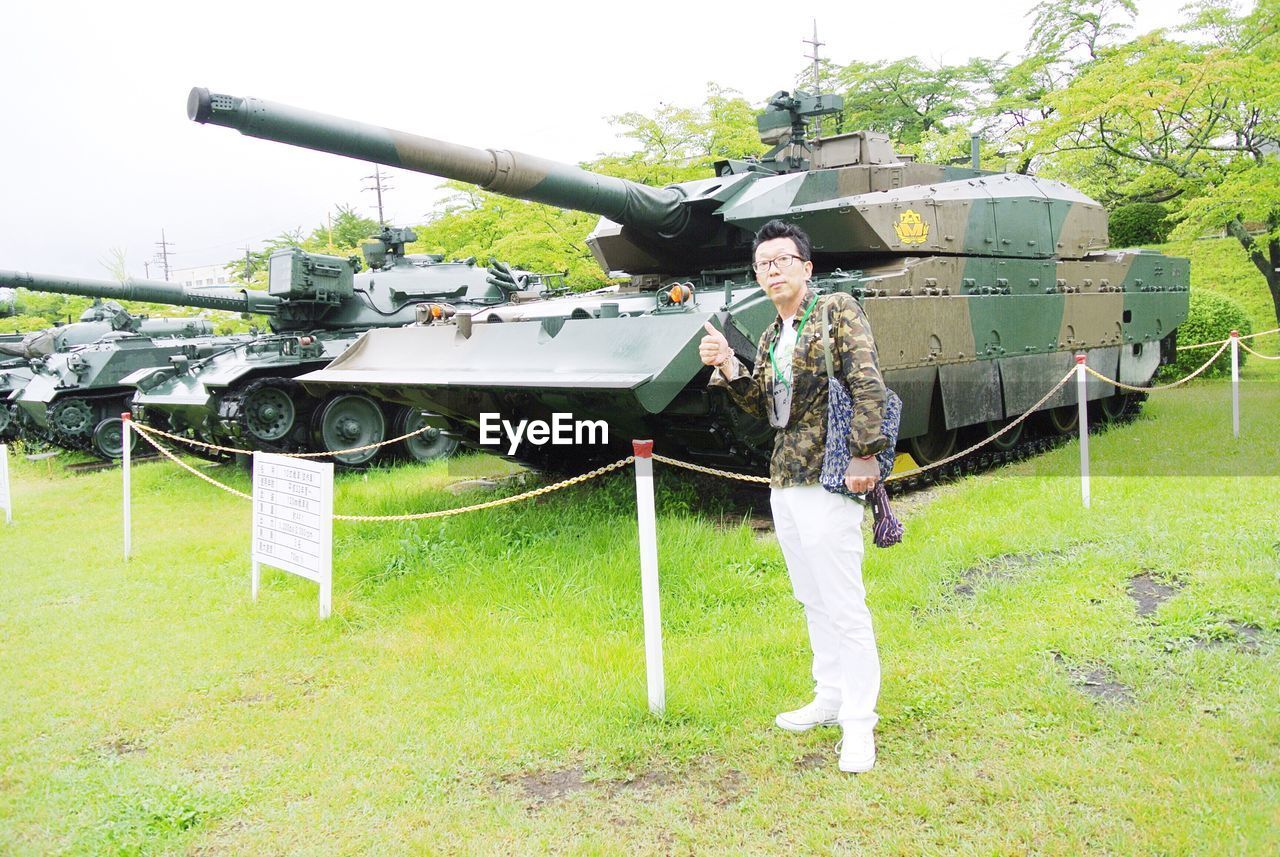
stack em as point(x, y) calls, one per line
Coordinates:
point(773, 361)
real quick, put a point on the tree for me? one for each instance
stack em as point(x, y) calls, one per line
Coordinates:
point(907, 99)
point(1249, 194)
point(1193, 120)
point(673, 144)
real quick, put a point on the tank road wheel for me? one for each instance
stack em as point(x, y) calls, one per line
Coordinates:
point(932, 446)
point(71, 418)
point(1063, 419)
point(1114, 408)
point(936, 443)
point(1009, 439)
point(269, 413)
point(431, 444)
point(108, 439)
point(349, 420)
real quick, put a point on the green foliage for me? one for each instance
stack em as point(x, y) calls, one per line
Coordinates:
point(473, 222)
point(1217, 265)
point(908, 99)
point(1139, 223)
point(1211, 319)
point(674, 144)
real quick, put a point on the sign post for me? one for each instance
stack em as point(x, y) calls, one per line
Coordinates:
point(5, 500)
point(1235, 383)
point(648, 523)
point(1082, 396)
point(126, 435)
point(293, 521)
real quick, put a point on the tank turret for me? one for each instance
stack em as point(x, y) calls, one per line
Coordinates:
point(851, 193)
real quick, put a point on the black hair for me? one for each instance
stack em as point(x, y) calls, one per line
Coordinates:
point(781, 229)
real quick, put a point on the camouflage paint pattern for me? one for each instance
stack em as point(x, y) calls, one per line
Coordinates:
point(979, 287)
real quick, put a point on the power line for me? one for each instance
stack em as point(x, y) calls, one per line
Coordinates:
point(162, 255)
point(379, 186)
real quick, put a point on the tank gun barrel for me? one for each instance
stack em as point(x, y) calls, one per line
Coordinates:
point(151, 291)
point(657, 210)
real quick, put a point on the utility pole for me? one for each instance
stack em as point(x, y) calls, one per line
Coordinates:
point(248, 264)
point(146, 267)
point(378, 187)
point(163, 254)
point(817, 67)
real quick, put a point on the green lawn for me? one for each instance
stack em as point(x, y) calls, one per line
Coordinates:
point(480, 687)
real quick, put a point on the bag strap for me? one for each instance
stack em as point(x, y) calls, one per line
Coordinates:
point(826, 338)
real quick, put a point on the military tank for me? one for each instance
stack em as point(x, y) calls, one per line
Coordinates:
point(87, 395)
point(980, 288)
point(244, 395)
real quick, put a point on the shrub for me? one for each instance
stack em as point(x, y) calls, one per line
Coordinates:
point(1212, 317)
point(1139, 223)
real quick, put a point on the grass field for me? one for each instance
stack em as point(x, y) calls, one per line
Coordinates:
point(480, 687)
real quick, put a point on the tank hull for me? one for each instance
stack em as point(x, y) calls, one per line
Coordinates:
point(958, 360)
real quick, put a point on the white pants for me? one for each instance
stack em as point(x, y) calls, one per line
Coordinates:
point(821, 538)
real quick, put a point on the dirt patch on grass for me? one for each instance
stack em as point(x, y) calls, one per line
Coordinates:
point(1149, 592)
point(539, 787)
point(120, 746)
point(640, 782)
point(812, 761)
point(1101, 684)
point(1244, 635)
point(1098, 682)
point(1003, 568)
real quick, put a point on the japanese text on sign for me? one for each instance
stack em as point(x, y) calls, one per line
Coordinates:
point(293, 519)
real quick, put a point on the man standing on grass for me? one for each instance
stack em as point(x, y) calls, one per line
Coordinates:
point(820, 532)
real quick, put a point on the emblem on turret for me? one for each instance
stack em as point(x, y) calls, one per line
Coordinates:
point(911, 228)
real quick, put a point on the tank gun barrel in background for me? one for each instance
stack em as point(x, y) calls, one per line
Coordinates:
point(658, 210)
point(151, 291)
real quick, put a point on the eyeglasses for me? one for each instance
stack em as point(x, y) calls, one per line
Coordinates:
point(785, 261)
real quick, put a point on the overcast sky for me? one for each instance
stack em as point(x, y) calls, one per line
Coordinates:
point(96, 152)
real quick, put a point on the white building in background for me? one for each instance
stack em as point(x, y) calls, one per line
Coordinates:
point(204, 275)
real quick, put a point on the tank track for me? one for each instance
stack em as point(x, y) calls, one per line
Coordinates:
point(231, 410)
point(82, 440)
point(986, 458)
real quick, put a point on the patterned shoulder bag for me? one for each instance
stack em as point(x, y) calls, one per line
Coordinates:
point(886, 528)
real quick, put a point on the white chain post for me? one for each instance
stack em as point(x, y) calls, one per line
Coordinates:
point(1083, 403)
point(646, 518)
point(1235, 383)
point(126, 435)
point(6, 494)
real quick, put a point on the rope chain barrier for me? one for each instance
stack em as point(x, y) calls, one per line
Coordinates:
point(213, 446)
point(1228, 339)
point(893, 477)
point(415, 516)
point(710, 471)
point(146, 431)
point(502, 501)
point(146, 435)
point(1095, 373)
point(1260, 356)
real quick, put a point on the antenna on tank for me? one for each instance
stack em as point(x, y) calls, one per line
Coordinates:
point(817, 65)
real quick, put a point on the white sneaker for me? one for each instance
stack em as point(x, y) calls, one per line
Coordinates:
point(804, 719)
point(857, 751)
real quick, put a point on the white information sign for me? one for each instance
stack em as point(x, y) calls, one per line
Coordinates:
point(5, 500)
point(293, 520)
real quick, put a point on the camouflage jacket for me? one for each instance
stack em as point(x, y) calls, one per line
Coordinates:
point(798, 448)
